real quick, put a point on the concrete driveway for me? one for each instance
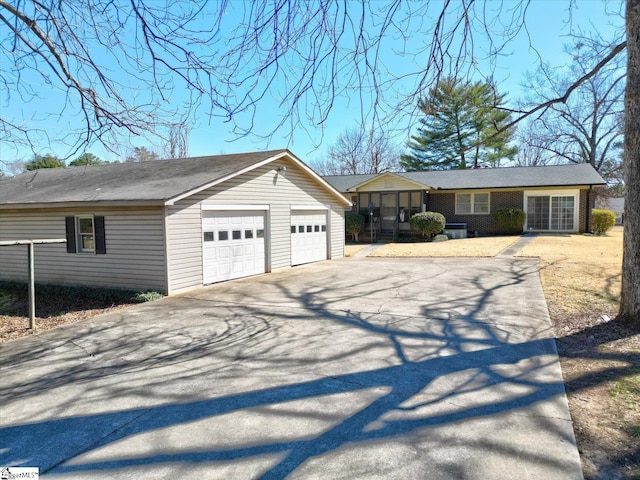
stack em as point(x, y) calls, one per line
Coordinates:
point(350, 369)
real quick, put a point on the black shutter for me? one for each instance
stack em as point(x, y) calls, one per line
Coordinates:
point(70, 223)
point(98, 228)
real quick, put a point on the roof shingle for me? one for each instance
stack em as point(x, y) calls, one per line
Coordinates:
point(158, 180)
point(507, 177)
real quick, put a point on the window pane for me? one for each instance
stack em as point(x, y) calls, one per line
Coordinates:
point(316, 228)
point(259, 233)
point(309, 228)
point(87, 242)
point(538, 213)
point(300, 228)
point(463, 203)
point(375, 198)
point(363, 200)
point(237, 234)
point(293, 229)
point(482, 198)
point(481, 208)
point(463, 198)
point(403, 206)
point(223, 235)
point(248, 234)
point(324, 228)
point(208, 236)
point(562, 213)
point(85, 225)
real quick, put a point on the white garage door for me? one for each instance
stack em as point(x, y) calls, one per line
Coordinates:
point(308, 237)
point(233, 245)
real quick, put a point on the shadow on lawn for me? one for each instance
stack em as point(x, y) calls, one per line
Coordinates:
point(399, 359)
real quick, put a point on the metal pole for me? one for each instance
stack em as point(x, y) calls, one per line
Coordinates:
point(371, 223)
point(32, 289)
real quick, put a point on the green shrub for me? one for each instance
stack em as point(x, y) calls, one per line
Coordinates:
point(354, 224)
point(509, 220)
point(427, 223)
point(142, 297)
point(602, 221)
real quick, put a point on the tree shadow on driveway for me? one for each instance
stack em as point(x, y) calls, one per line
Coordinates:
point(304, 377)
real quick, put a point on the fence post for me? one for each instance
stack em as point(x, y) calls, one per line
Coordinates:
point(32, 292)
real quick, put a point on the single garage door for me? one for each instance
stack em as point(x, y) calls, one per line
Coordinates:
point(233, 245)
point(308, 236)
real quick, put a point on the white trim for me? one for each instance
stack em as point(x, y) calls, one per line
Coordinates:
point(167, 253)
point(553, 193)
point(310, 207)
point(206, 207)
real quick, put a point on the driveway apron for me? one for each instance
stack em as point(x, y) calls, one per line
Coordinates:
point(358, 368)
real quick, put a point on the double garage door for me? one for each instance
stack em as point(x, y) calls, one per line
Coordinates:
point(234, 243)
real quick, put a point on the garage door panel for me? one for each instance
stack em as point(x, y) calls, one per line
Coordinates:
point(308, 237)
point(238, 245)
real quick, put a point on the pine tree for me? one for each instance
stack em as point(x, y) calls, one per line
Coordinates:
point(458, 128)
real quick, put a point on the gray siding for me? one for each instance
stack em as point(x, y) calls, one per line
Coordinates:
point(262, 186)
point(134, 241)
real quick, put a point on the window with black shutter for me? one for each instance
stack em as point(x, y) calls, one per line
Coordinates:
point(85, 234)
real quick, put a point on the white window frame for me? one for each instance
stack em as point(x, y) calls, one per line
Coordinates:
point(553, 193)
point(80, 235)
point(473, 203)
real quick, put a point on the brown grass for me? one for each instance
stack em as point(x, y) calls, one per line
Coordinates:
point(580, 274)
point(351, 250)
point(464, 247)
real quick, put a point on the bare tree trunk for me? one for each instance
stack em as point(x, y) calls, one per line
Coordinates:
point(630, 304)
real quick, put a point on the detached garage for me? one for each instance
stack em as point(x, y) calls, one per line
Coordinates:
point(170, 225)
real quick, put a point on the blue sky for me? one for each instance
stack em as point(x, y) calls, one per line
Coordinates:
point(549, 23)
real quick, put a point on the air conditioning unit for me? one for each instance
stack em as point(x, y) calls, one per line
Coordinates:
point(455, 230)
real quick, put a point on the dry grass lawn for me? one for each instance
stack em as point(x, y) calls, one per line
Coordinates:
point(464, 247)
point(580, 274)
point(351, 250)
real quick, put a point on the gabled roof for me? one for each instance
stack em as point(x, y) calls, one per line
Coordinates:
point(507, 177)
point(159, 181)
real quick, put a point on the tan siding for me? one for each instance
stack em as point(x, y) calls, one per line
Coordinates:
point(134, 258)
point(262, 186)
point(388, 183)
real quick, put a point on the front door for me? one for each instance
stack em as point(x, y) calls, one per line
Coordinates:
point(388, 211)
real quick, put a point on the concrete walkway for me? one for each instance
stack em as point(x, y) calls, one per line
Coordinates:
point(367, 250)
point(371, 369)
point(516, 247)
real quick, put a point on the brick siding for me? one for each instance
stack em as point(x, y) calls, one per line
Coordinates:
point(445, 203)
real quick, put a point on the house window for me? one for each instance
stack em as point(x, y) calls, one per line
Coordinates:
point(472, 203)
point(85, 234)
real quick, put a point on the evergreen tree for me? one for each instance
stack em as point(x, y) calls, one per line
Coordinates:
point(87, 159)
point(44, 161)
point(460, 119)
